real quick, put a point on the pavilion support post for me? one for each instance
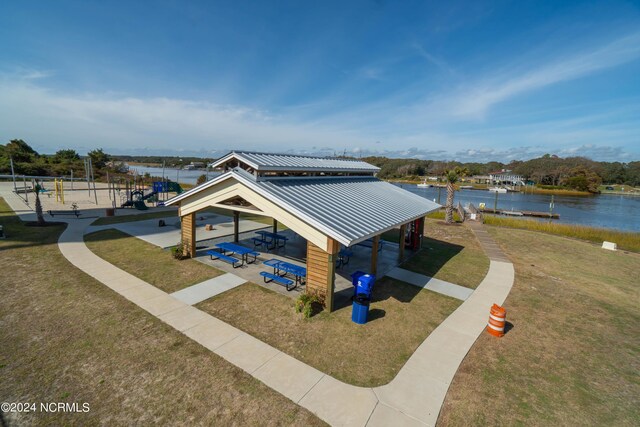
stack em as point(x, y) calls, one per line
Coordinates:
point(275, 225)
point(236, 226)
point(374, 255)
point(188, 233)
point(403, 233)
point(321, 270)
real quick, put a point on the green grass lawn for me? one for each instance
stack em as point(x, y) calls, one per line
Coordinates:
point(450, 253)
point(572, 356)
point(148, 262)
point(625, 239)
point(64, 337)
point(120, 218)
point(401, 317)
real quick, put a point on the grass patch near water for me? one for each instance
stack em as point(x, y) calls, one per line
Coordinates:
point(625, 240)
point(401, 316)
point(68, 338)
point(449, 252)
point(572, 356)
point(148, 262)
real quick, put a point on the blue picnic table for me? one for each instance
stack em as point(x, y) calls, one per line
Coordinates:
point(271, 240)
point(238, 249)
point(369, 244)
point(279, 267)
point(344, 256)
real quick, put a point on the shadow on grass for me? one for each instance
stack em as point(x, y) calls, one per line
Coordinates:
point(22, 235)
point(375, 313)
point(508, 326)
point(434, 255)
point(106, 235)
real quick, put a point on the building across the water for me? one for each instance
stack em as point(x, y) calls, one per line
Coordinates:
point(332, 203)
point(505, 176)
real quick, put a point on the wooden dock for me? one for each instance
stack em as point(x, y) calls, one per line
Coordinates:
point(521, 213)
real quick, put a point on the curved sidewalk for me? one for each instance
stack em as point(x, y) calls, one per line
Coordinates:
point(413, 397)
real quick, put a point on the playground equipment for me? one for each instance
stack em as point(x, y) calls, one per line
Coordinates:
point(136, 197)
point(59, 190)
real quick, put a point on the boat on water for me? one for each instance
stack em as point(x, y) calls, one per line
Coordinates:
point(498, 190)
point(424, 184)
point(466, 187)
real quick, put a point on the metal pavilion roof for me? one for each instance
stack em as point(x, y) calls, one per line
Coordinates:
point(347, 209)
point(285, 162)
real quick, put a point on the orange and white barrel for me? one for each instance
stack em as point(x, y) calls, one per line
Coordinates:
point(497, 320)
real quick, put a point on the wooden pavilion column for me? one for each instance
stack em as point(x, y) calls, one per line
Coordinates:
point(236, 226)
point(188, 234)
point(321, 272)
point(403, 232)
point(275, 225)
point(374, 255)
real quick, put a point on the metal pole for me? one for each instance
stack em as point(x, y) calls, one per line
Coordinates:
point(495, 204)
point(109, 186)
point(439, 190)
point(71, 179)
point(86, 174)
point(13, 174)
point(26, 193)
point(551, 209)
point(164, 186)
point(94, 181)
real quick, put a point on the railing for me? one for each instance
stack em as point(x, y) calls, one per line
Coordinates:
point(461, 212)
point(474, 210)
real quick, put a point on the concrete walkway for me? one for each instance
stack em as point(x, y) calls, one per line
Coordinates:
point(426, 282)
point(207, 289)
point(413, 397)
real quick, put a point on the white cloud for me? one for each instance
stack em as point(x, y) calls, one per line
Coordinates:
point(476, 100)
point(51, 120)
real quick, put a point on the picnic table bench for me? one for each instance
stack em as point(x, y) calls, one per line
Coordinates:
point(278, 279)
point(344, 256)
point(369, 244)
point(244, 252)
point(271, 240)
point(280, 267)
point(71, 212)
point(231, 260)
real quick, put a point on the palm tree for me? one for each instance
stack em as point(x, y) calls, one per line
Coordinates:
point(452, 176)
point(36, 189)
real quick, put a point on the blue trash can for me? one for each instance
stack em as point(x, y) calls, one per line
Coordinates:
point(365, 284)
point(355, 276)
point(360, 309)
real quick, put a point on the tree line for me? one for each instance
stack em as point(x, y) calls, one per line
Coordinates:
point(579, 173)
point(26, 161)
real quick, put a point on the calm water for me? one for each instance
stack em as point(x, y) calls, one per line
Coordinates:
point(620, 212)
point(177, 175)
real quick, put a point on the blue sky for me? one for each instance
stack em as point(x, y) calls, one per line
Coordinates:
point(472, 81)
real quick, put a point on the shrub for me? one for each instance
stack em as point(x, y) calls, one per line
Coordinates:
point(177, 252)
point(201, 179)
point(307, 305)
